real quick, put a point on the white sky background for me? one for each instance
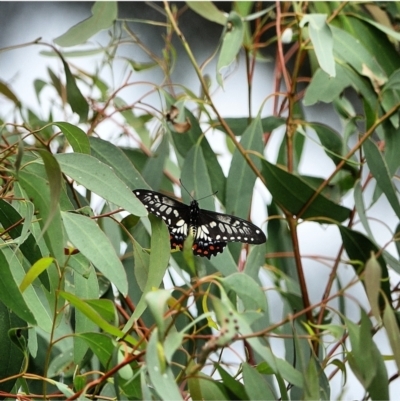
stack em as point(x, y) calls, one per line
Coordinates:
point(24, 22)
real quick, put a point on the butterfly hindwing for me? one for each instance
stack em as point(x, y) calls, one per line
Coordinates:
point(211, 231)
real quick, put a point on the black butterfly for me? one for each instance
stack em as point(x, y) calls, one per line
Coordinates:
point(211, 231)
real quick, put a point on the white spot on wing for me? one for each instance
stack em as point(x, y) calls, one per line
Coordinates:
point(224, 218)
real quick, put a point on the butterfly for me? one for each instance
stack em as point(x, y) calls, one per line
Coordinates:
point(211, 231)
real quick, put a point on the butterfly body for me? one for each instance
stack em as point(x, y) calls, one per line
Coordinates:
point(211, 231)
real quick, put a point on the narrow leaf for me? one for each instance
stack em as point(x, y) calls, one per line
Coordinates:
point(100, 178)
point(40, 266)
point(10, 217)
point(196, 179)
point(93, 315)
point(160, 375)
point(54, 176)
point(232, 40)
point(247, 290)
point(292, 193)
point(393, 333)
point(241, 178)
point(158, 263)
point(104, 13)
point(75, 136)
point(112, 155)
point(208, 10)
point(372, 280)
point(255, 385)
point(87, 236)
point(77, 101)
point(321, 38)
point(37, 189)
point(10, 294)
point(380, 171)
point(359, 248)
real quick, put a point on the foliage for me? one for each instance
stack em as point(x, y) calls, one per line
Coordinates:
point(82, 279)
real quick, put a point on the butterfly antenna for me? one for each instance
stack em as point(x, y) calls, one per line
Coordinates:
point(185, 189)
point(191, 194)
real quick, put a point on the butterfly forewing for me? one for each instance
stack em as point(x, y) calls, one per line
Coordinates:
point(211, 231)
point(175, 214)
point(223, 227)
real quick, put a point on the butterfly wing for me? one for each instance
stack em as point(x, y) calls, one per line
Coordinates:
point(175, 214)
point(214, 230)
point(211, 230)
point(226, 228)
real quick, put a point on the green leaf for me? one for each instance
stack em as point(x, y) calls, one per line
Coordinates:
point(54, 176)
point(380, 171)
point(10, 294)
point(359, 248)
point(141, 268)
point(247, 290)
point(196, 179)
point(241, 178)
point(138, 67)
point(11, 356)
point(86, 236)
point(93, 315)
point(153, 170)
point(78, 103)
point(292, 193)
point(75, 136)
point(37, 189)
point(10, 217)
point(255, 260)
point(157, 302)
point(208, 10)
point(8, 93)
point(333, 145)
point(361, 60)
point(255, 385)
point(311, 385)
point(393, 333)
point(33, 295)
point(372, 281)
point(360, 207)
point(104, 13)
point(366, 361)
point(239, 124)
point(158, 263)
point(224, 263)
point(184, 144)
point(100, 178)
point(203, 387)
point(101, 344)
point(85, 288)
point(160, 375)
point(113, 156)
point(324, 88)
point(234, 386)
point(232, 40)
point(321, 38)
point(37, 268)
point(105, 308)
